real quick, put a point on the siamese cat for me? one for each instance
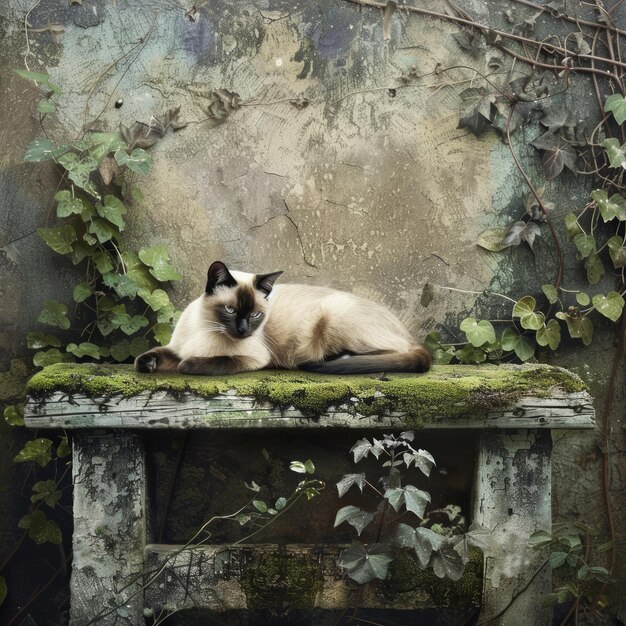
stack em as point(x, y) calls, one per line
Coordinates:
point(243, 323)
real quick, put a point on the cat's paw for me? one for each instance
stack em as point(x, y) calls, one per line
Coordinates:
point(146, 363)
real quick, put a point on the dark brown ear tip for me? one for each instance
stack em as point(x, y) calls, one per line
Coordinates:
point(217, 264)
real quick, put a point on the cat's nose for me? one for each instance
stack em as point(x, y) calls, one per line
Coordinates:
point(242, 326)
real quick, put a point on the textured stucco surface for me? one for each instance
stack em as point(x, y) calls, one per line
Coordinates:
point(365, 189)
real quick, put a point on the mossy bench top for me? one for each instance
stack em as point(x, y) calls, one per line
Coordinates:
point(89, 395)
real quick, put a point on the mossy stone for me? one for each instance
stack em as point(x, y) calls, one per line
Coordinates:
point(445, 391)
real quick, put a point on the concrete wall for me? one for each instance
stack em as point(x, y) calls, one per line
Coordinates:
point(370, 188)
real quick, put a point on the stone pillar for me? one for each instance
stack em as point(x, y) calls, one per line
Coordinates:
point(512, 500)
point(109, 529)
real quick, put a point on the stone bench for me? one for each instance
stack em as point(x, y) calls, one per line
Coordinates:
point(110, 409)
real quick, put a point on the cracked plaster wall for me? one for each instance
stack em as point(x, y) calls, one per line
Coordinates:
point(365, 189)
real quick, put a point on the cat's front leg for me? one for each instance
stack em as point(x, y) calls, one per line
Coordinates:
point(218, 365)
point(161, 359)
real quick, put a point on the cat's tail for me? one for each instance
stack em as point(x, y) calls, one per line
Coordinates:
point(418, 360)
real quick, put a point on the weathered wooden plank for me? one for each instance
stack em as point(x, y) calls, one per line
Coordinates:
point(295, 576)
point(187, 410)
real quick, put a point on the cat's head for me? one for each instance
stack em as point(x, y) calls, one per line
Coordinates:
point(237, 301)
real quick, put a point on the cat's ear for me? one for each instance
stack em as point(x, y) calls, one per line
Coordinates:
point(265, 282)
point(219, 275)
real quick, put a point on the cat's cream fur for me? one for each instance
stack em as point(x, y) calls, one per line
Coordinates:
point(299, 326)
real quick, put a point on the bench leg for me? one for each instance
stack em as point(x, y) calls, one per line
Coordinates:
point(109, 529)
point(512, 499)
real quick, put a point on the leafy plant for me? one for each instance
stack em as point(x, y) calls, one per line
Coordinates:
point(569, 552)
point(120, 305)
point(442, 548)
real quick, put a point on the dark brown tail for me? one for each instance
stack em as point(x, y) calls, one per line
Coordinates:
point(417, 360)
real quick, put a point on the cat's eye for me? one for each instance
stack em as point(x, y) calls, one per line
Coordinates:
point(256, 314)
point(229, 309)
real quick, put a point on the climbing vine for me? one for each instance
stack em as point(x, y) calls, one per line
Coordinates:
point(120, 306)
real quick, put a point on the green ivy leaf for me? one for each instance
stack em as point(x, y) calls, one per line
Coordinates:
point(103, 231)
point(123, 285)
point(103, 261)
point(549, 335)
point(99, 145)
point(582, 298)
point(348, 480)
point(298, 467)
point(354, 516)
point(610, 305)
point(37, 450)
point(571, 223)
point(14, 414)
point(580, 327)
point(54, 314)
point(46, 106)
point(259, 505)
point(43, 149)
point(522, 346)
point(84, 349)
point(162, 333)
point(39, 77)
point(37, 340)
point(540, 539)
point(413, 499)
point(595, 269)
point(524, 308)
point(63, 448)
point(478, 333)
point(81, 292)
point(138, 346)
point(59, 238)
point(112, 211)
point(366, 563)
point(129, 325)
point(80, 252)
point(79, 169)
point(423, 540)
point(610, 208)
point(137, 161)
point(138, 271)
point(155, 300)
point(615, 152)
point(551, 293)
point(469, 354)
point(47, 491)
point(67, 205)
point(617, 251)
point(49, 357)
point(157, 258)
point(586, 245)
point(492, 239)
point(557, 559)
point(167, 314)
point(120, 351)
point(40, 528)
point(617, 105)
point(448, 563)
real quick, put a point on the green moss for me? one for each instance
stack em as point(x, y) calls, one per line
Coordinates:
point(407, 576)
point(280, 581)
point(446, 391)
